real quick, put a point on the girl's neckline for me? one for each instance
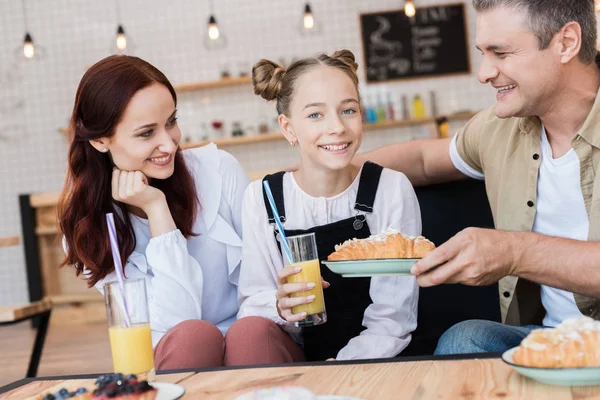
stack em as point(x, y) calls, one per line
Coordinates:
point(335, 197)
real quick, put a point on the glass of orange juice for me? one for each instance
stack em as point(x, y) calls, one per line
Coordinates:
point(304, 254)
point(130, 335)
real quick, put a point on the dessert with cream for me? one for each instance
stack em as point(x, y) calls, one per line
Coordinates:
point(389, 244)
point(571, 344)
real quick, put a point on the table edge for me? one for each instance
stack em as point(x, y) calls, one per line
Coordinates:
point(449, 357)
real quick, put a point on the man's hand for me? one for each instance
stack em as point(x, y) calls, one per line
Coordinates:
point(474, 257)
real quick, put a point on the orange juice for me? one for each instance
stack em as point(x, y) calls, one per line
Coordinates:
point(311, 272)
point(131, 349)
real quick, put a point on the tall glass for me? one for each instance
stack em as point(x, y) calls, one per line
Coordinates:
point(304, 254)
point(130, 341)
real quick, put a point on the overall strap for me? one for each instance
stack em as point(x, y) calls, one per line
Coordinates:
point(367, 187)
point(276, 183)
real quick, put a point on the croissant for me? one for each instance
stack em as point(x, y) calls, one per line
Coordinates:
point(389, 244)
point(572, 344)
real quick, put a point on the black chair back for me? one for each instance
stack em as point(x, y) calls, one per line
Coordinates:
point(446, 209)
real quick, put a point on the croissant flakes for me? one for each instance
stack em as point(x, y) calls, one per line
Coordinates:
point(574, 343)
point(389, 244)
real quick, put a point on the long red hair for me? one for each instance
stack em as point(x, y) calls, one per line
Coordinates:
point(102, 96)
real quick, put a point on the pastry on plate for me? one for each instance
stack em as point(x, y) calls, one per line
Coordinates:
point(389, 244)
point(572, 344)
point(109, 387)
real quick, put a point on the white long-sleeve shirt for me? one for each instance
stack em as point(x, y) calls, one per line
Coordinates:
point(195, 278)
point(392, 316)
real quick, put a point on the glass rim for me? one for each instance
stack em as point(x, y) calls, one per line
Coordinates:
point(125, 282)
point(302, 235)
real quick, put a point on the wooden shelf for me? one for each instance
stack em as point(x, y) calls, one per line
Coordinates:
point(93, 296)
point(47, 230)
point(224, 82)
point(38, 200)
point(269, 137)
point(9, 241)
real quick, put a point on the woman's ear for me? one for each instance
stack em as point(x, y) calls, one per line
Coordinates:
point(287, 129)
point(100, 144)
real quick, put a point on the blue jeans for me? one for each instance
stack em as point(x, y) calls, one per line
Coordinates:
point(480, 336)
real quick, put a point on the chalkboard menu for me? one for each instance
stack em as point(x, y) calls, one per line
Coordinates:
point(433, 42)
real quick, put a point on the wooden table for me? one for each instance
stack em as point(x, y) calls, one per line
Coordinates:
point(454, 377)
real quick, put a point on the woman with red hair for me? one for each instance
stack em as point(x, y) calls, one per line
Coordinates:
point(177, 213)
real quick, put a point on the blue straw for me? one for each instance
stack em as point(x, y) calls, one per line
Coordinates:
point(284, 242)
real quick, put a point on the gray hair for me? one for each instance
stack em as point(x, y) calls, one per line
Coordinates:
point(546, 17)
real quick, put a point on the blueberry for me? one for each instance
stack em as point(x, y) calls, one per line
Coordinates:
point(81, 391)
point(63, 392)
point(131, 377)
point(49, 397)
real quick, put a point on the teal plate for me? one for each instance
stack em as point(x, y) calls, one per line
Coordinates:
point(586, 376)
point(363, 268)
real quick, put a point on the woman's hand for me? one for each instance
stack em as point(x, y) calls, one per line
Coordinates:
point(131, 187)
point(284, 290)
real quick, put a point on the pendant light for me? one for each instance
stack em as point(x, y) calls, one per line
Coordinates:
point(308, 21)
point(28, 46)
point(409, 8)
point(214, 38)
point(309, 25)
point(121, 44)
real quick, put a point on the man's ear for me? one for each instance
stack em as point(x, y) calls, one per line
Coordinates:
point(569, 41)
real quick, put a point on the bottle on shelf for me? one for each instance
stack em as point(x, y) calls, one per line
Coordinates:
point(389, 111)
point(380, 110)
point(418, 107)
point(405, 112)
point(370, 109)
point(204, 135)
point(432, 101)
point(237, 129)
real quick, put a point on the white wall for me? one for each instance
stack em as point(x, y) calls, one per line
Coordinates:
point(36, 97)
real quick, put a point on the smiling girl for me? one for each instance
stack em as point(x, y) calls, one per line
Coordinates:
point(319, 113)
point(177, 213)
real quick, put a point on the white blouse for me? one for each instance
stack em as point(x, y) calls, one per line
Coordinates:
point(195, 278)
point(392, 316)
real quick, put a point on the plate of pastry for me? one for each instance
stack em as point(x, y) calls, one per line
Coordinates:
point(119, 386)
point(568, 354)
point(387, 253)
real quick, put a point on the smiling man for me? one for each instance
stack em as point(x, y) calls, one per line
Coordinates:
point(538, 150)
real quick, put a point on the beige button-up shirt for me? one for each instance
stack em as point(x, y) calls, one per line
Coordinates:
point(508, 153)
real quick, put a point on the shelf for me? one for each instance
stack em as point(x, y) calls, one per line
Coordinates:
point(224, 82)
point(47, 231)
point(77, 298)
point(10, 241)
point(269, 137)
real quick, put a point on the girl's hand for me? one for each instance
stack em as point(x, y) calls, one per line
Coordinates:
point(131, 187)
point(284, 290)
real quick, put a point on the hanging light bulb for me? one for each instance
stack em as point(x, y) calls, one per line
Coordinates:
point(121, 39)
point(213, 28)
point(28, 48)
point(409, 8)
point(28, 51)
point(308, 20)
point(214, 39)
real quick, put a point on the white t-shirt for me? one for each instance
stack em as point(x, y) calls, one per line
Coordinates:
point(560, 212)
